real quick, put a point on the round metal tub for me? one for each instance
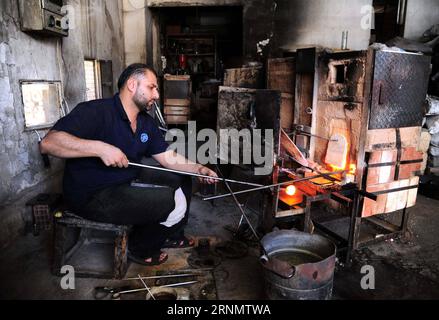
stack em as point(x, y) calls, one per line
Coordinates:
point(313, 258)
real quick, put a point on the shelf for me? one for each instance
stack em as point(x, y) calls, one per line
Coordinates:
point(188, 45)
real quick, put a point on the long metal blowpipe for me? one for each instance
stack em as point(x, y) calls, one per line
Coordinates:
point(274, 185)
point(191, 174)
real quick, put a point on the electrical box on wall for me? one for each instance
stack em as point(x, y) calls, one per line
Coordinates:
point(43, 16)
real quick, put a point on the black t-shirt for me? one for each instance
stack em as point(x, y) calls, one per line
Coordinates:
point(106, 120)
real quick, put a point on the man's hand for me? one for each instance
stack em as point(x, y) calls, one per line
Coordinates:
point(207, 172)
point(112, 156)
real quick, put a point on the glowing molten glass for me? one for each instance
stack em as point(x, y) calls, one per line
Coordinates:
point(290, 190)
point(352, 168)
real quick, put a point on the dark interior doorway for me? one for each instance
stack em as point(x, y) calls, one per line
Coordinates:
point(201, 42)
point(389, 20)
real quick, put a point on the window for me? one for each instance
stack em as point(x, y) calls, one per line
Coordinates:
point(92, 80)
point(41, 102)
point(337, 73)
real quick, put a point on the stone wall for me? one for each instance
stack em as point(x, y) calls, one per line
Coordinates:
point(97, 34)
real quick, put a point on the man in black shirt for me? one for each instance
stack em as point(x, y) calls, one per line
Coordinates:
point(98, 139)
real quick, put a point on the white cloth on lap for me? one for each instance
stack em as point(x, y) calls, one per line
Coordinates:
point(180, 209)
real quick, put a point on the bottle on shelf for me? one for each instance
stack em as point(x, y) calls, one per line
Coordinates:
point(182, 61)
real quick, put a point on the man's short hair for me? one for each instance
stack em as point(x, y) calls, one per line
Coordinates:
point(135, 69)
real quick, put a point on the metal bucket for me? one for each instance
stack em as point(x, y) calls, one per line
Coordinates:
point(313, 258)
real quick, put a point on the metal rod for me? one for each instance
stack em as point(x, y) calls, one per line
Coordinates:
point(302, 133)
point(165, 276)
point(140, 278)
point(178, 284)
point(239, 206)
point(191, 174)
point(274, 185)
point(164, 286)
point(159, 115)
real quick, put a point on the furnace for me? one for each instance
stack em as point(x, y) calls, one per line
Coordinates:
point(360, 112)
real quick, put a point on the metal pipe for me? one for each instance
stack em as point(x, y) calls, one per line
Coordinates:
point(159, 115)
point(301, 133)
point(191, 174)
point(165, 276)
point(240, 208)
point(275, 185)
point(164, 286)
point(146, 287)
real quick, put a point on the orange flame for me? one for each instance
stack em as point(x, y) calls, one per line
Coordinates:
point(352, 168)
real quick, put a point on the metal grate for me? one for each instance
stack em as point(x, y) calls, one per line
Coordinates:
point(399, 90)
point(42, 217)
point(40, 212)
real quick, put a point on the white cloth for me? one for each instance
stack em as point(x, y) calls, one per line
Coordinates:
point(180, 209)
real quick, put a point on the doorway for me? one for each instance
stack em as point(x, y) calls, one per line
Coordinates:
point(199, 41)
point(389, 20)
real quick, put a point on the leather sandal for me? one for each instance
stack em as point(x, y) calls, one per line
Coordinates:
point(155, 259)
point(179, 243)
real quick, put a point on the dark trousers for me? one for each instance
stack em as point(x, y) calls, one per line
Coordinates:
point(144, 208)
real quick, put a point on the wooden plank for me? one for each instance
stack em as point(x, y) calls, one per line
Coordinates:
point(289, 213)
point(385, 139)
point(244, 78)
point(171, 110)
point(171, 119)
point(424, 141)
point(384, 174)
point(281, 75)
point(303, 98)
point(177, 102)
point(412, 193)
point(393, 201)
point(287, 111)
point(171, 77)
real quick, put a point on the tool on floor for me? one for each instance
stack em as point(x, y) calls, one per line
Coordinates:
point(276, 185)
point(190, 174)
point(279, 267)
point(103, 292)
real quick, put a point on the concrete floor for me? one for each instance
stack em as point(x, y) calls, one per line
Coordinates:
point(406, 269)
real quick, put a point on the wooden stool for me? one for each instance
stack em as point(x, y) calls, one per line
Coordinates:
point(61, 255)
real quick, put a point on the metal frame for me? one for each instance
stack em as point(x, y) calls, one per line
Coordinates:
point(354, 207)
